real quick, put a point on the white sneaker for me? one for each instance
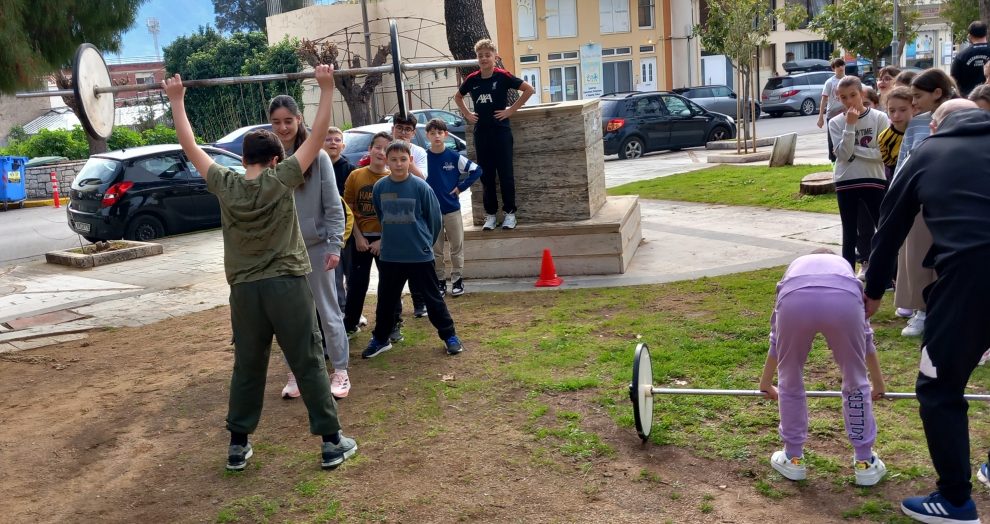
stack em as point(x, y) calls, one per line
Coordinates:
point(340, 384)
point(862, 271)
point(291, 389)
point(792, 469)
point(916, 325)
point(509, 222)
point(869, 472)
point(363, 321)
point(489, 222)
point(983, 360)
point(904, 312)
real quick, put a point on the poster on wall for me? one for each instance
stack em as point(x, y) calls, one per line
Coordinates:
point(591, 69)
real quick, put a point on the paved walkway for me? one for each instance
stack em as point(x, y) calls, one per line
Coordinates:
point(47, 304)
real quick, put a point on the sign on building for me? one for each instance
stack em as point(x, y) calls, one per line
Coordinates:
point(591, 68)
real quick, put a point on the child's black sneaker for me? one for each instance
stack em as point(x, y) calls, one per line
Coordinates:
point(419, 310)
point(334, 455)
point(453, 345)
point(375, 348)
point(457, 289)
point(442, 285)
point(237, 457)
point(396, 335)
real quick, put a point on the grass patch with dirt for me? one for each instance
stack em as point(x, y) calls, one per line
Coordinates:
point(531, 423)
point(757, 186)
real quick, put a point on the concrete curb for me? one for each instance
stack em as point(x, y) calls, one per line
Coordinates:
point(42, 203)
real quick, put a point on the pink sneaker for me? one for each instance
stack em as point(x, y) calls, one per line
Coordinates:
point(340, 384)
point(291, 390)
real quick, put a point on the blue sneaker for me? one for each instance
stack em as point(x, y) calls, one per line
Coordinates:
point(984, 475)
point(375, 348)
point(934, 509)
point(454, 345)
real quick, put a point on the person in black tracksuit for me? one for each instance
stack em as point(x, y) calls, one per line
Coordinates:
point(947, 178)
point(967, 67)
point(489, 89)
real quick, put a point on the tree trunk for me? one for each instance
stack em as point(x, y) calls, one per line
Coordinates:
point(985, 11)
point(96, 145)
point(465, 20)
point(359, 106)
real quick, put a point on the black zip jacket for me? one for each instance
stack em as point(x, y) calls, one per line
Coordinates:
point(947, 177)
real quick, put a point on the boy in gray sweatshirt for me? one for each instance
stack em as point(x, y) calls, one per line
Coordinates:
point(859, 175)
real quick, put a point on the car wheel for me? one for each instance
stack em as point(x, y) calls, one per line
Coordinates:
point(758, 112)
point(631, 147)
point(808, 107)
point(718, 133)
point(145, 228)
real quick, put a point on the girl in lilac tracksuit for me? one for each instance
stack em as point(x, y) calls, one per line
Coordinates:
point(819, 293)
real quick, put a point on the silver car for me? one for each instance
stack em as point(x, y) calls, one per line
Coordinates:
point(719, 99)
point(798, 93)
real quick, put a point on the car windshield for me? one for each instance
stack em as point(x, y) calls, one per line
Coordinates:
point(779, 82)
point(356, 141)
point(97, 171)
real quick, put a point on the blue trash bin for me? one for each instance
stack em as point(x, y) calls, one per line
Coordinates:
point(12, 183)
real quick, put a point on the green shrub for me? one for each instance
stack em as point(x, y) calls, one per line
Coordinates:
point(59, 142)
point(159, 135)
point(124, 138)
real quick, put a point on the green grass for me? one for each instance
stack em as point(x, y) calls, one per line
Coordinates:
point(757, 186)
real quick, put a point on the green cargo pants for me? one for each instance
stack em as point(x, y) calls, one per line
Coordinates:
point(283, 307)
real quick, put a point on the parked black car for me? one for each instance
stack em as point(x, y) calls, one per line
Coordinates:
point(143, 193)
point(639, 122)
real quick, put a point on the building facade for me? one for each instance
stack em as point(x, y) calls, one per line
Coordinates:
point(422, 38)
point(574, 49)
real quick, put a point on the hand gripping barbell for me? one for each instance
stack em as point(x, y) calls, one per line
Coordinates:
point(641, 392)
point(92, 88)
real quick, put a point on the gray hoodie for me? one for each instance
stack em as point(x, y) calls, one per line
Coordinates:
point(321, 217)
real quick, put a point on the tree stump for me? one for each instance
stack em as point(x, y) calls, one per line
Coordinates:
point(818, 184)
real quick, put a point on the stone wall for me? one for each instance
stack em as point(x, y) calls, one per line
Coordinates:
point(38, 180)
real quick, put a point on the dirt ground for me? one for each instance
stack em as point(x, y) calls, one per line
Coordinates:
point(127, 426)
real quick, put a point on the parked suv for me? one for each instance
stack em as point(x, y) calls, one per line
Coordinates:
point(799, 93)
point(716, 98)
point(143, 193)
point(639, 122)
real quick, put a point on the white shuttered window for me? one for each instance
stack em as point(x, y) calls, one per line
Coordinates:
point(561, 18)
point(614, 16)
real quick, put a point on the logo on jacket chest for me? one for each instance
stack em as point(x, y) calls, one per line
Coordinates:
point(485, 99)
point(449, 166)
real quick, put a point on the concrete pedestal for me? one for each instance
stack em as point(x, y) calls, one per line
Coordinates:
point(559, 168)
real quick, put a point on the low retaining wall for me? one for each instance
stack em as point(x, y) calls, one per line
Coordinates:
point(38, 180)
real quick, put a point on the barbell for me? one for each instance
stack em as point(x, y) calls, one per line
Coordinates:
point(94, 91)
point(641, 392)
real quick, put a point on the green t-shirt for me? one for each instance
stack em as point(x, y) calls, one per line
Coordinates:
point(261, 236)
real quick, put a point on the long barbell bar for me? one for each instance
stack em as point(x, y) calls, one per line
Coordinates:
point(757, 393)
point(641, 392)
point(91, 82)
point(257, 79)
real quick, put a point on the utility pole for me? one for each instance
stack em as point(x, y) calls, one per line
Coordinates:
point(367, 55)
point(894, 43)
point(154, 28)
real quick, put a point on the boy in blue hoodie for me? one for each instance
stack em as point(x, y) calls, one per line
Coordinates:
point(445, 168)
point(411, 220)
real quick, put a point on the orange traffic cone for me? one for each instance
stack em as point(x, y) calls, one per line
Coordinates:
point(548, 274)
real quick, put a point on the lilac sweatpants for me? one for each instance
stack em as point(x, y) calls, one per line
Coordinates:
point(838, 315)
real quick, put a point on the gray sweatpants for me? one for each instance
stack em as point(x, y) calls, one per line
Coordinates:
point(324, 287)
